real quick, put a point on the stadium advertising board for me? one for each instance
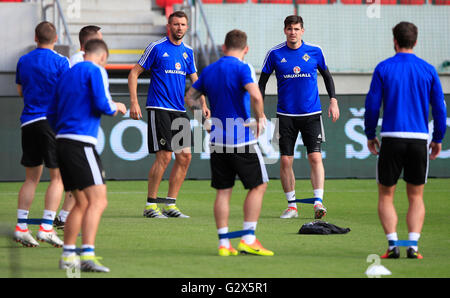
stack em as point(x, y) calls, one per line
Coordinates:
point(122, 144)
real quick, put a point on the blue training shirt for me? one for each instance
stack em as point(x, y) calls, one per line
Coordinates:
point(296, 73)
point(223, 83)
point(169, 65)
point(82, 96)
point(38, 73)
point(405, 85)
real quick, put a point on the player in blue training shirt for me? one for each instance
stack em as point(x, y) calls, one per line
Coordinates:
point(296, 63)
point(234, 150)
point(37, 75)
point(405, 86)
point(82, 96)
point(86, 33)
point(169, 60)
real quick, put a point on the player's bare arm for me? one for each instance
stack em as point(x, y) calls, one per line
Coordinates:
point(19, 90)
point(135, 109)
point(121, 108)
point(257, 104)
point(373, 146)
point(193, 99)
point(205, 109)
point(435, 150)
point(333, 108)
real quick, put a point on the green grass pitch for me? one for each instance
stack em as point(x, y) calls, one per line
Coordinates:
point(134, 246)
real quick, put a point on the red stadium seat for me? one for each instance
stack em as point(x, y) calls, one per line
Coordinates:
point(165, 3)
point(274, 1)
point(441, 2)
point(315, 1)
point(11, 0)
point(412, 2)
point(351, 1)
point(383, 2)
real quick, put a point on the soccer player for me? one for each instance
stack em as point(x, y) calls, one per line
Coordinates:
point(82, 96)
point(296, 63)
point(86, 33)
point(230, 98)
point(169, 61)
point(37, 75)
point(405, 85)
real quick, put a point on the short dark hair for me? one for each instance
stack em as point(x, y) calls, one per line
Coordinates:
point(405, 34)
point(95, 45)
point(87, 32)
point(178, 14)
point(293, 19)
point(45, 32)
point(236, 39)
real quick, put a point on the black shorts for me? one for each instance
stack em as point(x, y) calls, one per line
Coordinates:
point(247, 164)
point(310, 127)
point(168, 130)
point(79, 164)
point(397, 154)
point(38, 145)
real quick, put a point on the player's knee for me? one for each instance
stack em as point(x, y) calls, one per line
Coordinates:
point(99, 204)
point(55, 176)
point(262, 187)
point(315, 158)
point(286, 161)
point(184, 159)
point(164, 157)
point(81, 204)
point(103, 204)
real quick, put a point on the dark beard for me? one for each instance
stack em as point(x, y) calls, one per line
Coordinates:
point(175, 37)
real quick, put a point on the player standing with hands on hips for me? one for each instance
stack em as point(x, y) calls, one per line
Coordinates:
point(295, 63)
point(405, 86)
point(169, 61)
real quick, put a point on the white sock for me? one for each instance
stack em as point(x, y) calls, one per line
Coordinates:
point(68, 250)
point(414, 237)
point(49, 215)
point(151, 204)
point(171, 204)
point(289, 197)
point(249, 225)
point(318, 193)
point(392, 237)
point(87, 250)
point(226, 241)
point(63, 215)
point(22, 214)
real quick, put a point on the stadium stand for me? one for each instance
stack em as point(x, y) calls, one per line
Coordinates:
point(127, 29)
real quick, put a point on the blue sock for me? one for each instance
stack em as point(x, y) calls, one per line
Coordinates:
point(87, 250)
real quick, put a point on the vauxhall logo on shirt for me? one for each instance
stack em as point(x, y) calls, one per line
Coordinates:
point(177, 70)
point(297, 74)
